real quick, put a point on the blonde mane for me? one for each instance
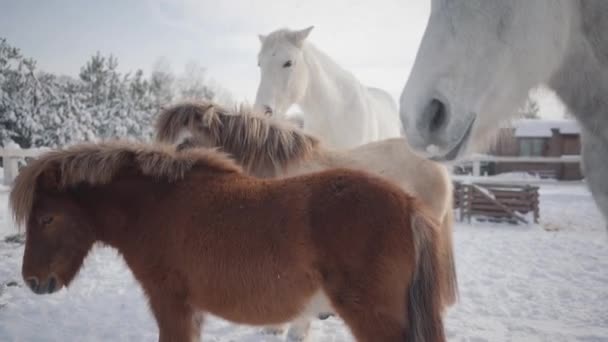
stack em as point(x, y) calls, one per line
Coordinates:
point(256, 142)
point(98, 164)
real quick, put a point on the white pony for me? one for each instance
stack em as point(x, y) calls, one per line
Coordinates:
point(479, 58)
point(336, 106)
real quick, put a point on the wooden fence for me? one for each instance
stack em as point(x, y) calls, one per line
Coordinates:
point(11, 158)
point(496, 202)
point(476, 160)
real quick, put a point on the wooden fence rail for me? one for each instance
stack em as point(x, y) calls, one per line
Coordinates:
point(476, 160)
point(500, 202)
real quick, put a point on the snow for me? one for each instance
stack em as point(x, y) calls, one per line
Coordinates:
point(519, 178)
point(546, 282)
point(540, 128)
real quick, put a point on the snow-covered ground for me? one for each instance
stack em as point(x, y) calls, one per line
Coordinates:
point(546, 282)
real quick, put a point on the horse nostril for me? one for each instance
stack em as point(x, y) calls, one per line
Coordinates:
point(32, 283)
point(438, 115)
point(52, 285)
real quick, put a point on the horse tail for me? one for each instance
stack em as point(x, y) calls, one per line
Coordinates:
point(450, 283)
point(424, 306)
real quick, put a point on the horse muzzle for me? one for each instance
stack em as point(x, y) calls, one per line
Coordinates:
point(48, 286)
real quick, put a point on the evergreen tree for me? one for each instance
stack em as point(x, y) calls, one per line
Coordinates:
point(162, 83)
point(41, 109)
point(192, 84)
point(531, 109)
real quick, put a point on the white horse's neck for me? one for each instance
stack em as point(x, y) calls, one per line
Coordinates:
point(330, 87)
point(582, 80)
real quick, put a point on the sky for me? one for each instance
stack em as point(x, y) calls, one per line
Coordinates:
point(376, 40)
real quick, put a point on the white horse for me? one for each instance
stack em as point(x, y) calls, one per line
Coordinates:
point(336, 106)
point(479, 58)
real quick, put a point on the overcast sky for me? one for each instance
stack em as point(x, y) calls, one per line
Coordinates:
point(375, 39)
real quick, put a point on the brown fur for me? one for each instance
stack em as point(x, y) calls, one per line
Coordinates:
point(265, 148)
point(97, 164)
point(300, 153)
point(201, 236)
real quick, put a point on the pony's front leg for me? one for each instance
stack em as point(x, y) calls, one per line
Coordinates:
point(176, 320)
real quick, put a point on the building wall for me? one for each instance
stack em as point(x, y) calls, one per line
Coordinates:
point(527, 167)
point(555, 146)
point(506, 144)
point(571, 144)
point(562, 171)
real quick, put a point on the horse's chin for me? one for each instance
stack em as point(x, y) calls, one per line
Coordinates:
point(458, 149)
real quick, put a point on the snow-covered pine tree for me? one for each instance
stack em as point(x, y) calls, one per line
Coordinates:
point(22, 97)
point(41, 109)
point(162, 84)
point(192, 84)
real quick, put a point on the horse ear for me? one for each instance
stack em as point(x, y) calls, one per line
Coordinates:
point(298, 37)
point(50, 179)
point(262, 38)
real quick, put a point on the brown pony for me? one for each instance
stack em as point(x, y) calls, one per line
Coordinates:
point(201, 236)
point(266, 147)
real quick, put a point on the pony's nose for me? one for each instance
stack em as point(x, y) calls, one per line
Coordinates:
point(433, 120)
point(33, 284)
point(51, 285)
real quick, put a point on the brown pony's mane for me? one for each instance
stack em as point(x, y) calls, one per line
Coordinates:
point(256, 141)
point(98, 164)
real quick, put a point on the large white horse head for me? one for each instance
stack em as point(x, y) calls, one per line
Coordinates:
point(477, 61)
point(283, 72)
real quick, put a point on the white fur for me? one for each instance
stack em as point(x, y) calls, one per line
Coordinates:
point(480, 58)
point(336, 106)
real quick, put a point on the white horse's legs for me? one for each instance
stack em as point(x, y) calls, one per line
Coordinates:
point(595, 168)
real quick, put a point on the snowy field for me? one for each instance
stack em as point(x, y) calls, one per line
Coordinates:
point(546, 282)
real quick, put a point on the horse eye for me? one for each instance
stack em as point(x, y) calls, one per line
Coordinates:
point(287, 64)
point(46, 220)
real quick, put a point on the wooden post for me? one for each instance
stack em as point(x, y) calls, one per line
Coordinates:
point(536, 204)
point(461, 202)
point(10, 161)
point(11, 169)
point(469, 201)
point(477, 168)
